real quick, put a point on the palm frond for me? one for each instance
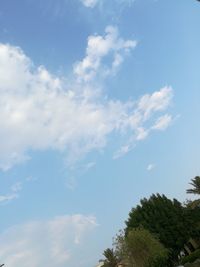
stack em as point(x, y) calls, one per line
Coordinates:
point(195, 182)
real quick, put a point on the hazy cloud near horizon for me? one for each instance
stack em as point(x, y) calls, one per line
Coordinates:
point(54, 242)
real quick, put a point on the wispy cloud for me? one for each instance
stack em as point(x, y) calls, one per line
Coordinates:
point(14, 193)
point(158, 101)
point(38, 112)
point(98, 49)
point(151, 166)
point(123, 150)
point(17, 187)
point(140, 121)
point(89, 166)
point(6, 198)
point(90, 3)
point(71, 183)
point(162, 122)
point(54, 243)
point(93, 3)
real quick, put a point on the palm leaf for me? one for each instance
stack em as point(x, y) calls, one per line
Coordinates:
point(195, 182)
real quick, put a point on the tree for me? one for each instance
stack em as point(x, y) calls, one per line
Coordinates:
point(110, 258)
point(140, 248)
point(168, 219)
point(195, 182)
point(193, 213)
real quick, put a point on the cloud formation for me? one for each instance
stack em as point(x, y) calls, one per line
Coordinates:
point(98, 48)
point(8, 197)
point(52, 243)
point(38, 112)
point(93, 3)
point(14, 193)
point(163, 122)
point(89, 3)
point(151, 166)
point(143, 115)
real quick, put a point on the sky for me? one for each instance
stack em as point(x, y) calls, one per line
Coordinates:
point(99, 108)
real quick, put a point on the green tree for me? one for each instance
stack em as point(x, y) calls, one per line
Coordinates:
point(193, 213)
point(110, 258)
point(140, 248)
point(195, 182)
point(168, 219)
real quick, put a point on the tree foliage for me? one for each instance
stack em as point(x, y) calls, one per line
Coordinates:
point(110, 258)
point(169, 220)
point(195, 182)
point(156, 231)
point(140, 248)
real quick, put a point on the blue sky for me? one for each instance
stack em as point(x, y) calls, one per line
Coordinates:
point(99, 107)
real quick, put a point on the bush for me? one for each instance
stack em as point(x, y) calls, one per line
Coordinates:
point(192, 257)
point(141, 248)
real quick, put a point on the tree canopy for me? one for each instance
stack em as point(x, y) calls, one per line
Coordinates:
point(156, 232)
point(140, 248)
point(168, 219)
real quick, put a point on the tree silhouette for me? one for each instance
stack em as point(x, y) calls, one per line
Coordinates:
point(195, 182)
point(166, 218)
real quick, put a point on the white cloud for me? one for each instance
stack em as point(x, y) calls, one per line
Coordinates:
point(52, 243)
point(89, 3)
point(99, 47)
point(151, 166)
point(141, 133)
point(89, 166)
point(162, 122)
point(158, 101)
point(14, 193)
point(38, 112)
point(143, 112)
point(93, 3)
point(7, 198)
point(123, 150)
